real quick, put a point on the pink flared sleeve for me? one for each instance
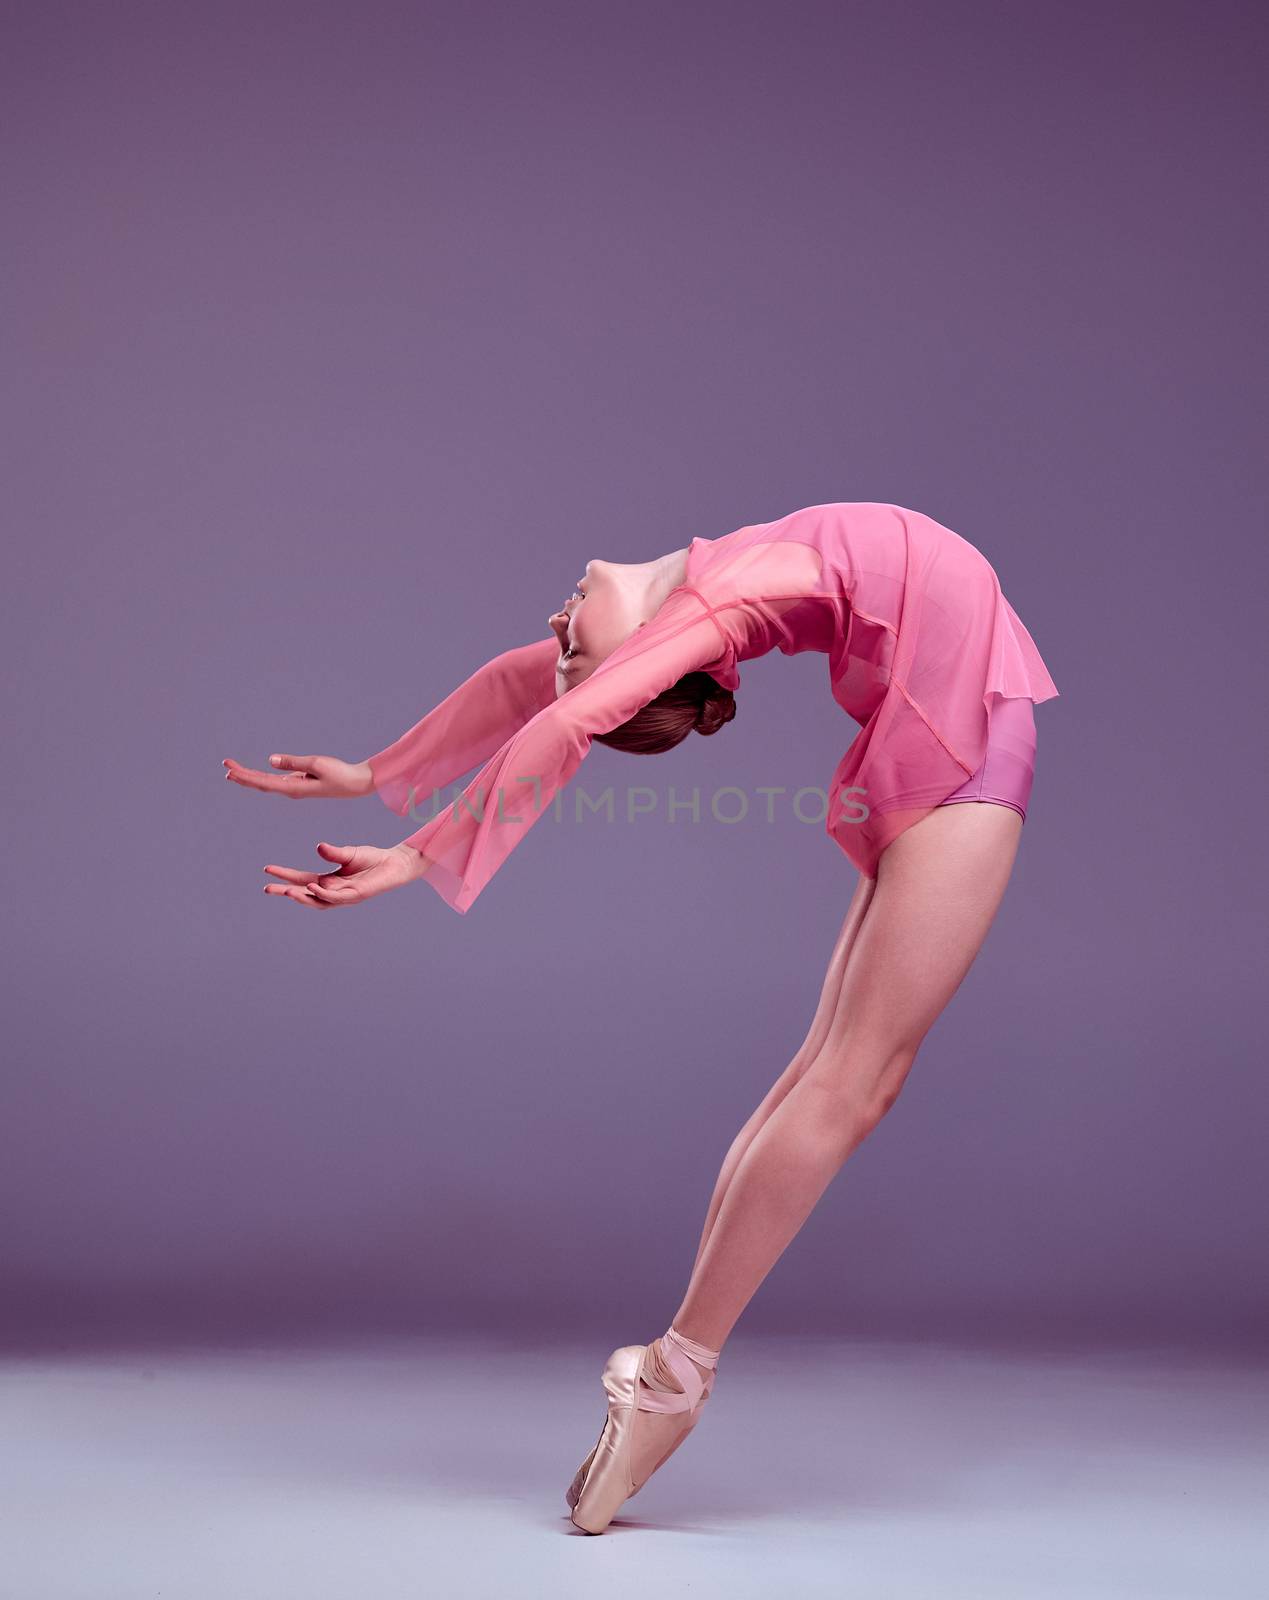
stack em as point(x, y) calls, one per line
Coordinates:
point(465, 843)
point(466, 727)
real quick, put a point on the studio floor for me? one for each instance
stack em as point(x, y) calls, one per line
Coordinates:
point(437, 1469)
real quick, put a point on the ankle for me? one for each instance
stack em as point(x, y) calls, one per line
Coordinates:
point(703, 1358)
point(659, 1368)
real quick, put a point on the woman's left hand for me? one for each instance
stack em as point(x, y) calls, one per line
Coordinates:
point(363, 871)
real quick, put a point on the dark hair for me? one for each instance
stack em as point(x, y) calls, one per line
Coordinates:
point(696, 702)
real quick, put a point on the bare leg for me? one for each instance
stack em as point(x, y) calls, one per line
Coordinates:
point(807, 1052)
point(937, 890)
point(657, 1431)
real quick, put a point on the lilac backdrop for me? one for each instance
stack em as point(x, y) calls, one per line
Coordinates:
point(338, 339)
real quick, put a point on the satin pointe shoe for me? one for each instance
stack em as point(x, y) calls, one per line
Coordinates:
point(604, 1481)
point(673, 1341)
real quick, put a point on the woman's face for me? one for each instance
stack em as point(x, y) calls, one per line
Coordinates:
point(601, 614)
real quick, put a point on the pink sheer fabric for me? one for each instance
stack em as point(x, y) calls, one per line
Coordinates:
point(911, 617)
point(467, 727)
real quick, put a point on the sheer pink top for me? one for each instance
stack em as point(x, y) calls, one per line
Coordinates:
point(911, 617)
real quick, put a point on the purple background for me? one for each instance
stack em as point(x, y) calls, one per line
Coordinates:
point(339, 338)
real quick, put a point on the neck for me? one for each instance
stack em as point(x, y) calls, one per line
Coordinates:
point(664, 574)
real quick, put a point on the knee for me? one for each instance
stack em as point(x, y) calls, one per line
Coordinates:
point(854, 1093)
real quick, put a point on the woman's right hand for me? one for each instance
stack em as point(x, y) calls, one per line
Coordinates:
point(306, 777)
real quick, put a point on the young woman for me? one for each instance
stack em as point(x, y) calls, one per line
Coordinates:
point(928, 656)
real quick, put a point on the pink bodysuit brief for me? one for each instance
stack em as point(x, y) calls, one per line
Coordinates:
point(1009, 765)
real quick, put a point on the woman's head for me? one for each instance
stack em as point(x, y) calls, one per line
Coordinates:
point(610, 603)
point(607, 606)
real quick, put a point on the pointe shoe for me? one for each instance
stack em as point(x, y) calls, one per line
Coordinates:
point(604, 1481)
point(687, 1375)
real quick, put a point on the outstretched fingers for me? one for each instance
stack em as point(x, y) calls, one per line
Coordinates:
point(292, 874)
point(361, 872)
point(298, 885)
point(300, 893)
point(293, 774)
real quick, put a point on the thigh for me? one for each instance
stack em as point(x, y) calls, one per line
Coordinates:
point(938, 887)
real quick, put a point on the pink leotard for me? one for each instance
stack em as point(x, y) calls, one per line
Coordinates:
point(924, 652)
point(1008, 769)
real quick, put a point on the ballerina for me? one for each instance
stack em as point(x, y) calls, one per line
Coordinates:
point(928, 802)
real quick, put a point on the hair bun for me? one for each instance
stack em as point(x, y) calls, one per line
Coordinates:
point(718, 707)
